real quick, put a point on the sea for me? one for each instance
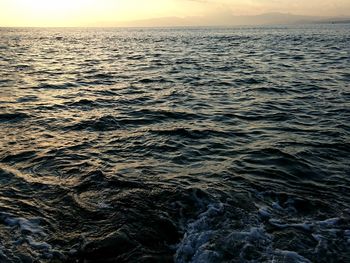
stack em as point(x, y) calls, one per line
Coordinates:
point(218, 144)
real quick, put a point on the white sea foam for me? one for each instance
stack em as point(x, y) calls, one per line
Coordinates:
point(28, 230)
point(30, 225)
point(329, 222)
point(212, 233)
point(2, 254)
point(38, 245)
point(264, 212)
point(279, 224)
point(196, 242)
point(288, 256)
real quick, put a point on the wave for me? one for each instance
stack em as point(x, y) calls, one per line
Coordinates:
point(48, 86)
point(185, 145)
point(13, 117)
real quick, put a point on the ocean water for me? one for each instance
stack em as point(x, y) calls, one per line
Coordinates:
point(175, 145)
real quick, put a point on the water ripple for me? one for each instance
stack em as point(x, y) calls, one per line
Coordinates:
point(175, 145)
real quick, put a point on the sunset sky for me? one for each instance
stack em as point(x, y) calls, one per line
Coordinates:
point(96, 12)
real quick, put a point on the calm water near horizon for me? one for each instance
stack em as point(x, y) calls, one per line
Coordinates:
point(175, 144)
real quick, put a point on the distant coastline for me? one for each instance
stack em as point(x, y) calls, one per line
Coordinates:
point(218, 20)
point(227, 19)
point(346, 21)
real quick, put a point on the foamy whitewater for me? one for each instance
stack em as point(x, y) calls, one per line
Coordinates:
point(175, 145)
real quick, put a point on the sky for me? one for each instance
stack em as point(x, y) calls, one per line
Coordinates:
point(110, 12)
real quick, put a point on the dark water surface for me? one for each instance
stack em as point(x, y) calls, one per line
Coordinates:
point(185, 145)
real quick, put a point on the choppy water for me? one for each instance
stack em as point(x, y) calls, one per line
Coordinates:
point(185, 145)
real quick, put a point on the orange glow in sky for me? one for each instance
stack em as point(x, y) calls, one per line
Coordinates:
point(102, 12)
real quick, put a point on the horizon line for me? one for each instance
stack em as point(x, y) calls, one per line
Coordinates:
point(310, 19)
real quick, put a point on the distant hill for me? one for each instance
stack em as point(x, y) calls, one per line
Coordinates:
point(227, 19)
